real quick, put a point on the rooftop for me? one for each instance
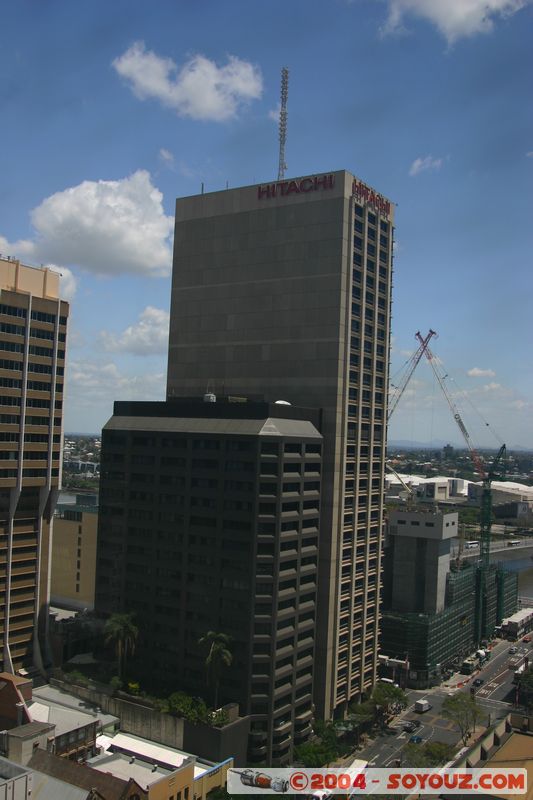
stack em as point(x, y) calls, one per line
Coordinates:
point(63, 700)
point(167, 757)
point(121, 766)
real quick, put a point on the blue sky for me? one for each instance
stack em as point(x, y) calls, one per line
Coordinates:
point(111, 110)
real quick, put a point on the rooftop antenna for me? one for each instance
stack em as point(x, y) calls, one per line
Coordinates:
point(283, 122)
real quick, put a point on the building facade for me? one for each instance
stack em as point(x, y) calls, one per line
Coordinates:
point(209, 521)
point(283, 291)
point(33, 324)
point(74, 553)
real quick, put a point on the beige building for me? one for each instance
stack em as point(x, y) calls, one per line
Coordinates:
point(282, 291)
point(33, 323)
point(74, 554)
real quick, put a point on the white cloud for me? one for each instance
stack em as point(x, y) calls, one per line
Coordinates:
point(274, 113)
point(166, 156)
point(199, 89)
point(148, 336)
point(106, 227)
point(453, 18)
point(424, 164)
point(476, 372)
point(67, 283)
point(529, 154)
point(90, 382)
point(493, 387)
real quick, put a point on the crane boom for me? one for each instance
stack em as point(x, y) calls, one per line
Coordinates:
point(476, 458)
point(412, 365)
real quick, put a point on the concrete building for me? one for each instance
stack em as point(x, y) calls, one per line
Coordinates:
point(209, 521)
point(420, 550)
point(430, 616)
point(33, 322)
point(74, 553)
point(282, 291)
point(161, 771)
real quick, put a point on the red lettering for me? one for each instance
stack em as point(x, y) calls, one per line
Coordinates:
point(517, 782)
point(409, 781)
point(450, 780)
point(285, 188)
point(394, 781)
point(317, 781)
point(435, 781)
point(465, 781)
point(359, 782)
point(266, 191)
point(325, 182)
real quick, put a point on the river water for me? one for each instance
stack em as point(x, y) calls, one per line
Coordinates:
point(522, 563)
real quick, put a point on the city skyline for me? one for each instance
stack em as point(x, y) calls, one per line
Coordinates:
point(135, 109)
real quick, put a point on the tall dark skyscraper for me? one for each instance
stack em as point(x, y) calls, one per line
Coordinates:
point(282, 291)
point(33, 325)
point(209, 521)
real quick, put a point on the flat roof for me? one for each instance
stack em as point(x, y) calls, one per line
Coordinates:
point(49, 694)
point(524, 613)
point(244, 427)
point(125, 767)
point(168, 757)
point(30, 729)
point(64, 719)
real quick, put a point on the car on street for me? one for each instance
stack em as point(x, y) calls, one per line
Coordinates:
point(526, 639)
point(411, 725)
point(415, 740)
point(512, 650)
point(478, 682)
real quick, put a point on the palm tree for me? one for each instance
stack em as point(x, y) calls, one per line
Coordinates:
point(219, 656)
point(121, 631)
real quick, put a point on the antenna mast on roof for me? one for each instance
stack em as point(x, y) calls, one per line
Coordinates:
point(283, 122)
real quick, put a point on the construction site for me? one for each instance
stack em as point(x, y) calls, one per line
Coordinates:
point(439, 606)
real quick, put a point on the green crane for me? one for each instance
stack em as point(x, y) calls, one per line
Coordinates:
point(485, 517)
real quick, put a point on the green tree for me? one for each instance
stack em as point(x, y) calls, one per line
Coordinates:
point(314, 754)
point(122, 633)
point(463, 710)
point(429, 754)
point(525, 689)
point(218, 657)
point(387, 699)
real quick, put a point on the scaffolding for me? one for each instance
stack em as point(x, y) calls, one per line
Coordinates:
point(432, 642)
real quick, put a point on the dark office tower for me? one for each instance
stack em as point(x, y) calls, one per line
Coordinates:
point(283, 291)
point(209, 521)
point(32, 356)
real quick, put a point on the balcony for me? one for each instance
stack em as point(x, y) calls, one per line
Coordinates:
point(258, 752)
point(303, 733)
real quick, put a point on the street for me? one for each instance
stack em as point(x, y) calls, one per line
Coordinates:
point(495, 696)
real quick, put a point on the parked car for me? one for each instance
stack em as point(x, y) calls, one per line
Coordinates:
point(512, 650)
point(478, 682)
point(411, 726)
point(526, 639)
point(415, 739)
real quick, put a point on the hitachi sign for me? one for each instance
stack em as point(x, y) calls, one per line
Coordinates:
point(304, 185)
point(365, 194)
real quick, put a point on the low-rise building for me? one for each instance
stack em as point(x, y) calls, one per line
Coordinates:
point(74, 553)
point(161, 771)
